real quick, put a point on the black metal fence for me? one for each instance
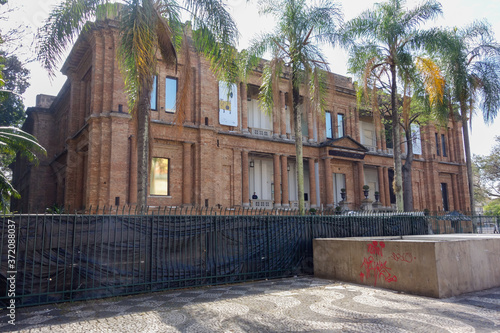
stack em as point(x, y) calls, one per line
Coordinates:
point(57, 258)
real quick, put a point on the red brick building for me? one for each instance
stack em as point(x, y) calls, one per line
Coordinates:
point(217, 156)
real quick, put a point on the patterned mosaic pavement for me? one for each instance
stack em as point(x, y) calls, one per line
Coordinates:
point(303, 304)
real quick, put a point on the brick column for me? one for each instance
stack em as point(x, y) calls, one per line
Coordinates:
point(277, 180)
point(310, 124)
point(361, 182)
point(97, 44)
point(387, 187)
point(335, 125)
point(71, 175)
point(451, 145)
point(244, 175)
point(328, 181)
point(132, 177)
point(381, 186)
point(378, 129)
point(357, 134)
point(276, 124)
point(454, 184)
point(284, 181)
point(187, 176)
point(108, 72)
point(75, 104)
point(283, 116)
point(312, 184)
point(244, 109)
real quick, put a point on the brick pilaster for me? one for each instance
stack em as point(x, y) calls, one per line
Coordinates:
point(328, 181)
point(244, 175)
point(312, 184)
point(284, 181)
point(277, 180)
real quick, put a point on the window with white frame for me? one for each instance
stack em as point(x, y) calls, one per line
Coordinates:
point(256, 117)
point(170, 94)
point(328, 125)
point(154, 93)
point(340, 125)
point(367, 133)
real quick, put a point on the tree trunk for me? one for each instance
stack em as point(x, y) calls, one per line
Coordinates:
point(142, 147)
point(396, 139)
point(468, 160)
point(298, 140)
point(407, 173)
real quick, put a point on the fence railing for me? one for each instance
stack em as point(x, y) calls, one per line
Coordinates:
point(57, 258)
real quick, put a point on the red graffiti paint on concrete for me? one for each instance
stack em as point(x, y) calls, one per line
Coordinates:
point(377, 269)
point(407, 257)
point(376, 248)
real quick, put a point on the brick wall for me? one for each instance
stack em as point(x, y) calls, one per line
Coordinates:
point(93, 146)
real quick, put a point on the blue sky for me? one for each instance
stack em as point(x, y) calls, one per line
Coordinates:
point(32, 13)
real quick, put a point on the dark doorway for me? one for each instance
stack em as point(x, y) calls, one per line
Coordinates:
point(444, 193)
point(391, 189)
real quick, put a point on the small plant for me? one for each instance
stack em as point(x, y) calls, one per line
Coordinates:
point(342, 190)
point(338, 210)
point(55, 209)
point(366, 187)
point(312, 211)
point(377, 193)
point(426, 212)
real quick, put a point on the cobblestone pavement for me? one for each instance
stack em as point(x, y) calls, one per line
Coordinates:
point(303, 304)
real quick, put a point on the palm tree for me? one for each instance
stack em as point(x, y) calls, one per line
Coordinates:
point(380, 41)
point(147, 26)
point(294, 46)
point(15, 141)
point(471, 62)
point(423, 96)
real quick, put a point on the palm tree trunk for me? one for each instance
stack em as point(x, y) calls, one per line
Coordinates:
point(298, 140)
point(396, 139)
point(468, 160)
point(407, 173)
point(142, 147)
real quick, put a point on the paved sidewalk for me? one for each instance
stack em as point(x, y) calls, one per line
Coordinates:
point(304, 304)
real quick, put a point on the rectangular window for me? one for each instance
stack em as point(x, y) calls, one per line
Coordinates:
point(443, 143)
point(159, 176)
point(340, 125)
point(444, 193)
point(170, 94)
point(438, 151)
point(154, 94)
point(328, 123)
point(338, 184)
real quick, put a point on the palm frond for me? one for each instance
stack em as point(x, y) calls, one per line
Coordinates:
point(65, 22)
point(421, 13)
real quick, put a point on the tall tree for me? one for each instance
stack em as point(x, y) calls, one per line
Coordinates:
point(15, 141)
point(488, 171)
point(471, 62)
point(422, 102)
point(147, 27)
point(13, 81)
point(380, 41)
point(294, 47)
point(16, 78)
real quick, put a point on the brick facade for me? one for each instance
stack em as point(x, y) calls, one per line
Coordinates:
point(91, 141)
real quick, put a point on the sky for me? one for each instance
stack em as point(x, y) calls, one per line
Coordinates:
point(32, 13)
